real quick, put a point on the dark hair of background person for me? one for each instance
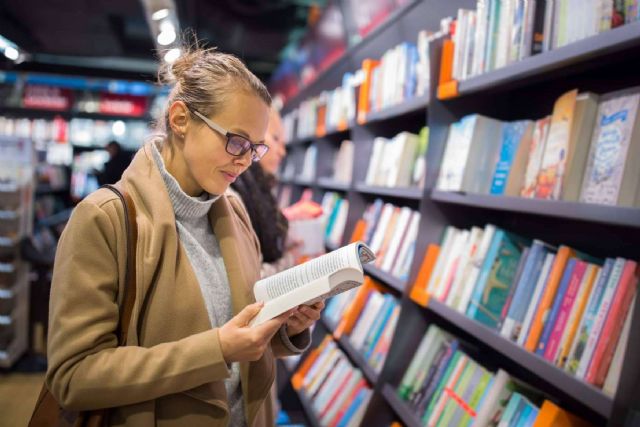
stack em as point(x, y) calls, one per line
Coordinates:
point(119, 160)
point(255, 188)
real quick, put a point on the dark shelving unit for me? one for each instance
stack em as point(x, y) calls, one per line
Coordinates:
point(613, 231)
point(612, 215)
point(401, 193)
point(597, 48)
point(407, 416)
point(412, 105)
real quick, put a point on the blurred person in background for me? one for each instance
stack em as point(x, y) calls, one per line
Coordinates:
point(119, 160)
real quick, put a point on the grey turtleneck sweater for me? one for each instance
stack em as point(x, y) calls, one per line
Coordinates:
point(203, 251)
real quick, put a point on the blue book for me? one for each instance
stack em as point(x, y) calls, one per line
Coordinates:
point(496, 278)
point(524, 290)
point(378, 326)
point(531, 419)
point(410, 76)
point(332, 218)
point(355, 405)
point(550, 322)
point(510, 411)
point(512, 135)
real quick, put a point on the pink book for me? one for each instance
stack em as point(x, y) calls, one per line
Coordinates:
point(606, 346)
point(565, 310)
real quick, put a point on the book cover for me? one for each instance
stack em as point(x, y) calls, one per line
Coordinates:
point(548, 295)
point(405, 387)
point(512, 290)
point(603, 353)
point(419, 288)
point(456, 154)
point(610, 177)
point(534, 160)
point(586, 322)
point(601, 317)
point(464, 266)
point(483, 155)
point(615, 370)
point(400, 268)
point(437, 405)
point(522, 334)
point(565, 306)
point(475, 267)
point(590, 276)
point(515, 137)
point(552, 167)
point(496, 278)
point(377, 358)
point(524, 289)
point(444, 365)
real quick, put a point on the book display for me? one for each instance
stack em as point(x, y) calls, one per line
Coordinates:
point(516, 174)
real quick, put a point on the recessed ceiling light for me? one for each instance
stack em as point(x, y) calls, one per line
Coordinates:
point(11, 53)
point(160, 14)
point(172, 55)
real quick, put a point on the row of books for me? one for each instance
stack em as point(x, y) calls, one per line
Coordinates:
point(444, 386)
point(83, 132)
point(391, 232)
point(373, 316)
point(399, 161)
point(338, 392)
point(583, 152)
point(561, 304)
point(336, 209)
point(500, 32)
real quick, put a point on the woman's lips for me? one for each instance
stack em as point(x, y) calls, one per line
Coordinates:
point(230, 177)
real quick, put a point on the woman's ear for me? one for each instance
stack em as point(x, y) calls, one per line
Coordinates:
point(178, 119)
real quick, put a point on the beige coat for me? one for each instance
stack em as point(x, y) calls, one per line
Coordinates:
point(172, 371)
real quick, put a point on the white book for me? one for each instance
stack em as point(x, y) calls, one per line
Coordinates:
point(400, 232)
point(464, 266)
point(358, 415)
point(499, 391)
point(375, 159)
point(475, 267)
point(615, 369)
point(601, 317)
point(483, 155)
point(504, 33)
point(368, 315)
point(381, 227)
point(447, 241)
point(480, 42)
point(400, 173)
point(537, 293)
point(328, 354)
point(450, 265)
point(336, 375)
point(323, 371)
point(312, 281)
point(399, 268)
point(467, 65)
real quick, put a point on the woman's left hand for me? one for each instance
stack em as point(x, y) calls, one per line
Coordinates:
point(303, 317)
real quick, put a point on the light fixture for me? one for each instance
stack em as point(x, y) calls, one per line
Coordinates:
point(160, 14)
point(172, 55)
point(118, 128)
point(166, 38)
point(11, 53)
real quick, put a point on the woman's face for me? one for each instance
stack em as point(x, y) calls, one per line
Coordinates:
point(208, 165)
point(275, 140)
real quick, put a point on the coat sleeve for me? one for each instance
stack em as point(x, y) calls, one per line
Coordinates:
point(87, 370)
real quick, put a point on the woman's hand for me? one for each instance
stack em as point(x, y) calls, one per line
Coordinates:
point(243, 343)
point(303, 317)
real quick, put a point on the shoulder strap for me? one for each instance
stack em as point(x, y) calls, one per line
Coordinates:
point(131, 230)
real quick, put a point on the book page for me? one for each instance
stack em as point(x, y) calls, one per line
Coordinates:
point(351, 256)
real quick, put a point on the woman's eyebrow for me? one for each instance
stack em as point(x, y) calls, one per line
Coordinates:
point(242, 132)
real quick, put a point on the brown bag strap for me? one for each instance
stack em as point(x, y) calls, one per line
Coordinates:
point(131, 229)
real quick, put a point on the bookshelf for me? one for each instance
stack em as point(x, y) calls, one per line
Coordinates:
point(604, 231)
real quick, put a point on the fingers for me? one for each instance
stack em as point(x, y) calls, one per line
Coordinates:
point(249, 312)
point(270, 327)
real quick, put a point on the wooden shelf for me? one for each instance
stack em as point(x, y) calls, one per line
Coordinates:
point(612, 215)
point(385, 277)
point(331, 184)
point(591, 49)
point(411, 106)
point(579, 390)
point(401, 193)
point(407, 416)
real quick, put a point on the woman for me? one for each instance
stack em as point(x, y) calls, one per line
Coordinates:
point(190, 359)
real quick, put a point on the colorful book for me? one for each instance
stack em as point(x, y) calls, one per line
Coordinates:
point(516, 140)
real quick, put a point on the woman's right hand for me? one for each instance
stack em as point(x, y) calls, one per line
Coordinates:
point(243, 343)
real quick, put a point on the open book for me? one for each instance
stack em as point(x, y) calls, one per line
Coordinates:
point(315, 280)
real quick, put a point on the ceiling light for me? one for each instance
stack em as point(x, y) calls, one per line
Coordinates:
point(118, 128)
point(11, 53)
point(172, 55)
point(166, 38)
point(160, 14)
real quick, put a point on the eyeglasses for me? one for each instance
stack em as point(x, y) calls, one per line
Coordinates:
point(237, 145)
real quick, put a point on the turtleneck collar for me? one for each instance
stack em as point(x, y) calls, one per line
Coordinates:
point(184, 206)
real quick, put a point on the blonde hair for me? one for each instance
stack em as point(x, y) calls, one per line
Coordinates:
point(204, 79)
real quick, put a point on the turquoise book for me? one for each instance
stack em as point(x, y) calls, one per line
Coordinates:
point(513, 134)
point(496, 278)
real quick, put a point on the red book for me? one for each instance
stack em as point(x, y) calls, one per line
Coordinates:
point(565, 309)
point(613, 325)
